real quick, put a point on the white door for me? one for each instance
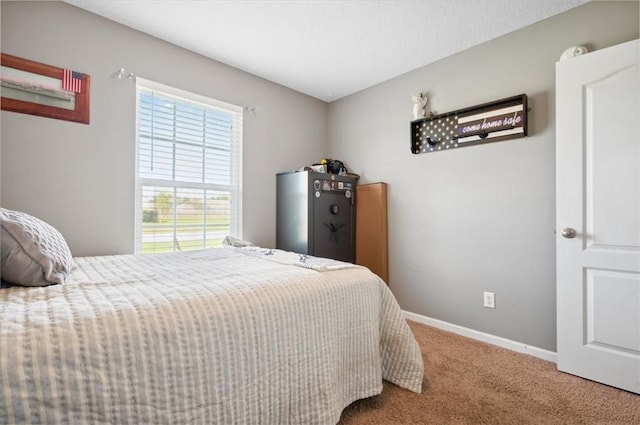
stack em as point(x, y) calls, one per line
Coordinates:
point(598, 196)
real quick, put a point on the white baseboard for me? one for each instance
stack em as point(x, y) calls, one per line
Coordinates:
point(484, 337)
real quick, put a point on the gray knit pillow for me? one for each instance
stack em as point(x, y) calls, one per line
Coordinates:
point(33, 253)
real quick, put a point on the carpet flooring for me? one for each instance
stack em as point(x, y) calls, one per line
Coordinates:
point(468, 382)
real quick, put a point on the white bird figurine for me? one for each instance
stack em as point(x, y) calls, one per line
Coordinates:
point(419, 103)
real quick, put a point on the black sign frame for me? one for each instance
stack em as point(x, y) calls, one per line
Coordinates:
point(495, 121)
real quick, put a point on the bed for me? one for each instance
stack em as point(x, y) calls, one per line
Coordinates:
point(233, 335)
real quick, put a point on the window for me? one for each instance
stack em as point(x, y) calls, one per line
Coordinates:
point(188, 170)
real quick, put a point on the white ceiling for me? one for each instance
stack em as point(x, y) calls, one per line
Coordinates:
point(327, 49)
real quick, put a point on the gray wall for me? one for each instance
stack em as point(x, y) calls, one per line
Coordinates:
point(80, 178)
point(479, 218)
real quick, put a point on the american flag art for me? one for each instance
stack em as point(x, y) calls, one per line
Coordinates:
point(72, 81)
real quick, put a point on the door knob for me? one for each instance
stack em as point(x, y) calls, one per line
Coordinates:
point(568, 233)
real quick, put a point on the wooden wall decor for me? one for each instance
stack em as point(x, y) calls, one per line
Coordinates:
point(34, 88)
point(490, 122)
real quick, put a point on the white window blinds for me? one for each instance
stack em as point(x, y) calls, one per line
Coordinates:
point(188, 191)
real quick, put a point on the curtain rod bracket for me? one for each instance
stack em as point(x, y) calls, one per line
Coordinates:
point(123, 73)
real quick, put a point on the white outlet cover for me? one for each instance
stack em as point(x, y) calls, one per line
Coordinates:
point(489, 300)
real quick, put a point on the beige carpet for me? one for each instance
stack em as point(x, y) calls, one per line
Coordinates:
point(470, 382)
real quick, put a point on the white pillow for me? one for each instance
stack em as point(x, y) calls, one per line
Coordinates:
point(33, 253)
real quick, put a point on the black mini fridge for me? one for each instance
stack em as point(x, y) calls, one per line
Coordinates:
point(315, 214)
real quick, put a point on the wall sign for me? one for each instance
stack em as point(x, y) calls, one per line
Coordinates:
point(35, 88)
point(490, 122)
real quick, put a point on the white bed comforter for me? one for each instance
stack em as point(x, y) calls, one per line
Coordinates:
point(221, 336)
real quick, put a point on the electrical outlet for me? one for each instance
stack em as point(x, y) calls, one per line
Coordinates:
point(489, 300)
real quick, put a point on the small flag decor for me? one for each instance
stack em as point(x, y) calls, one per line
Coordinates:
point(72, 81)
